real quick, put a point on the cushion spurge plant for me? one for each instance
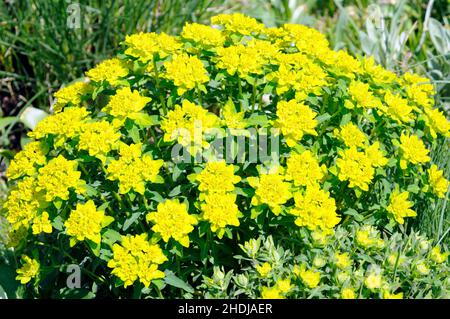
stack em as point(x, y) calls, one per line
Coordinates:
point(126, 181)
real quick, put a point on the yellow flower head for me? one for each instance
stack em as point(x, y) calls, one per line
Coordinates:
point(351, 135)
point(133, 169)
point(437, 122)
point(399, 206)
point(240, 59)
point(71, 95)
point(271, 293)
point(203, 36)
point(413, 150)
point(111, 70)
point(58, 177)
point(42, 224)
point(362, 96)
point(295, 120)
point(98, 138)
point(376, 155)
point(437, 256)
point(310, 278)
point(270, 189)
point(315, 209)
point(348, 293)
point(172, 220)
point(398, 108)
point(186, 72)
point(373, 281)
point(137, 259)
point(388, 295)
point(28, 271)
point(22, 204)
point(85, 223)
point(25, 162)
point(355, 167)
point(284, 285)
point(187, 123)
point(369, 237)
point(264, 269)
point(343, 260)
point(437, 180)
point(238, 23)
point(220, 210)
point(63, 126)
point(145, 46)
point(217, 177)
point(303, 169)
point(126, 104)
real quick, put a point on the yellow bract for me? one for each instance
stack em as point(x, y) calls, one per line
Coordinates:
point(413, 150)
point(399, 206)
point(172, 220)
point(111, 70)
point(295, 120)
point(135, 258)
point(85, 223)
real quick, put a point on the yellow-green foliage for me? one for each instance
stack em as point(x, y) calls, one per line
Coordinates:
point(99, 178)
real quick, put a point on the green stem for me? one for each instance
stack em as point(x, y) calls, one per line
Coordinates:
point(161, 98)
point(254, 95)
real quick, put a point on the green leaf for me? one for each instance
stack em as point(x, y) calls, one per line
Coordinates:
point(111, 236)
point(144, 120)
point(8, 283)
point(70, 293)
point(134, 134)
point(358, 217)
point(176, 191)
point(174, 281)
point(58, 223)
point(134, 217)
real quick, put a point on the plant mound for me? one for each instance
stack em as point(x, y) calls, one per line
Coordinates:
point(126, 180)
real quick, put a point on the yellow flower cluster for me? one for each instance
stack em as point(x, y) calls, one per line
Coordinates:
point(309, 277)
point(25, 162)
point(361, 96)
point(22, 204)
point(98, 138)
point(62, 126)
point(112, 71)
point(186, 72)
point(351, 135)
point(238, 23)
point(438, 182)
point(202, 36)
point(29, 270)
point(135, 258)
point(85, 223)
point(368, 237)
point(295, 120)
point(172, 220)
point(304, 169)
point(187, 124)
point(412, 151)
point(355, 167)
point(71, 95)
point(218, 202)
point(133, 169)
point(126, 104)
point(271, 189)
point(315, 209)
point(144, 46)
point(399, 206)
point(58, 177)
